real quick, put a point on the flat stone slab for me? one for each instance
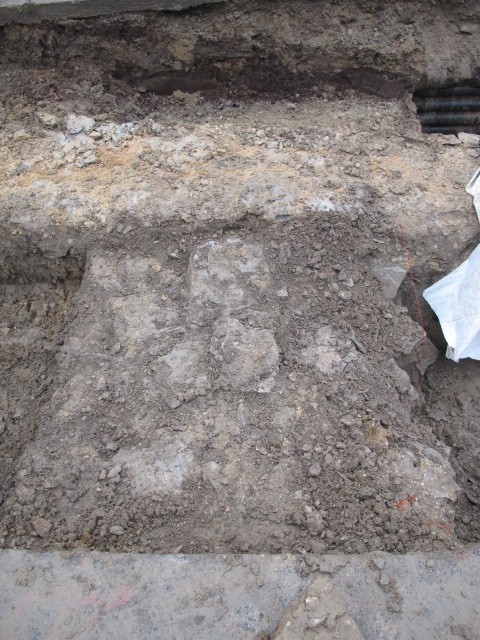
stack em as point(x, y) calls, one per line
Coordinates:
point(375, 596)
point(27, 11)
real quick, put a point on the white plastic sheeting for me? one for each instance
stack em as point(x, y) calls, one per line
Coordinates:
point(456, 298)
point(456, 301)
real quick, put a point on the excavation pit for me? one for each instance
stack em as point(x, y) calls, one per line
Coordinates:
point(208, 220)
point(224, 396)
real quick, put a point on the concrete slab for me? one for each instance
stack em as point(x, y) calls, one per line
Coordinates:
point(415, 596)
point(379, 596)
point(28, 11)
point(94, 595)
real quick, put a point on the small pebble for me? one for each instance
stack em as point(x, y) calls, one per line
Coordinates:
point(116, 530)
point(315, 470)
point(48, 119)
point(115, 471)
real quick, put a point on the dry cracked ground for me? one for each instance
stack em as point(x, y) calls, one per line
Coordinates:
point(209, 335)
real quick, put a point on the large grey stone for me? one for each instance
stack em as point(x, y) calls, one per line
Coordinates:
point(181, 373)
point(413, 597)
point(390, 278)
point(327, 353)
point(428, 486)
point(248, 357)
point(225, 275)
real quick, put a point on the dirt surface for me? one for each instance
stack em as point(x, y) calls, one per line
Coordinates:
point(31, 318)
point(209, 338)
point(451, 391)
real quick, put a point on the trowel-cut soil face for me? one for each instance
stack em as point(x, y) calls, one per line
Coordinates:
point(241, 394)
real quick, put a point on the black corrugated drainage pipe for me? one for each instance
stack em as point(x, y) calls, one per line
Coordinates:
point(449, 110)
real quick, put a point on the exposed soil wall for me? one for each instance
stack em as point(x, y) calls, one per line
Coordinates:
point(208, 329)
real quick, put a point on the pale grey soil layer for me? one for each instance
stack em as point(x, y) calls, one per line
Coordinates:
point(209, 336)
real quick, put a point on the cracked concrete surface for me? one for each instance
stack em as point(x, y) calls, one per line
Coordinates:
point(376, 596)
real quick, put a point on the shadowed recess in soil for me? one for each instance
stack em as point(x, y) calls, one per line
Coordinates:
point(451, 406)
point(450, 390)
point(242, 77)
